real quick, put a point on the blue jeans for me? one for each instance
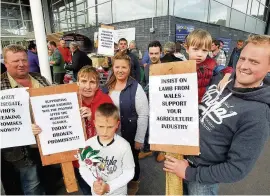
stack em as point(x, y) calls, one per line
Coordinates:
point(30, 181)
point(196, 188)
point(86, 189)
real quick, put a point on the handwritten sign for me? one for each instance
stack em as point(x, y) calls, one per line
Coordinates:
point(106, 42)
point(174, 109)
point(59, 117)
point(15, 118)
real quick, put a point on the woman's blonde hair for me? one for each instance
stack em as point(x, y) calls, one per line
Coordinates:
point(199, 38)
point(121, 55)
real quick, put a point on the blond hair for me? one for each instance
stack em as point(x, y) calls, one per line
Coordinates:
point(199, 38)
point(121, 55)
point(13, 48)
point(259, 40)
point(88, 72)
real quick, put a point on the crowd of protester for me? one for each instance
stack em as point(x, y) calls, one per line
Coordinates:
point(229, 148)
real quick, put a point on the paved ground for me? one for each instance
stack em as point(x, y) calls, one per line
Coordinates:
point(257, 182)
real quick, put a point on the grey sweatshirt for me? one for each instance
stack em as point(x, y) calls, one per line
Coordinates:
point(234, 126)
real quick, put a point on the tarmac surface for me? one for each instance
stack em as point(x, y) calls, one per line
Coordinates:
point(153, 179)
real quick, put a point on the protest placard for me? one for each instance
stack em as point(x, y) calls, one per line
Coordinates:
point(128, 34)
point(64, 158)
point(58, 116)
point(15, 118)
point(174, 123)
point(173, 94)
point(106, 42)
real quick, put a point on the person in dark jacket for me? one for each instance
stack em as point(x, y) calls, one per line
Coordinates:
point(234, 125)
point(3, 68)
point(235, 54)
point(79, 59)
point(135, 65)
point(33, 58)
point(169, 50)
point(128, 95)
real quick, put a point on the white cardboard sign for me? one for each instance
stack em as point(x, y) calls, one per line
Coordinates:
point(15, 118)
point(128, 34)
point(174, 109)
point(59, 118)
point(106, 42)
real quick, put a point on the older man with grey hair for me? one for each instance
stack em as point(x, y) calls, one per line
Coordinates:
point(79, 59)
point(134, 50)
point(169, 50)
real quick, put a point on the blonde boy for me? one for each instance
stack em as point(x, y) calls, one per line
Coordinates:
point(198, 45)
point(115, 151)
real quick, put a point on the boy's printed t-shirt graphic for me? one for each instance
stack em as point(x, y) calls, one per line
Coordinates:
point(106, 162)
point(100, 167)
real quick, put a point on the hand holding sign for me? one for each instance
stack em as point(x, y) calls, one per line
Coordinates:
point(176, 166)
point(85, 113)
point(36, 129)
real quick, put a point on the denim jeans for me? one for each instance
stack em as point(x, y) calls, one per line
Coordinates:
point(196, 188)
point(86, 189)
point(30, 181)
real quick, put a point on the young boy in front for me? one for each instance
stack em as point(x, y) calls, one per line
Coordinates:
point(198, 45)
point(92, 98)
point(115, 151)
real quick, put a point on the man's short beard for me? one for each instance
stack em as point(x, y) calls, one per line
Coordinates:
point(156, 61)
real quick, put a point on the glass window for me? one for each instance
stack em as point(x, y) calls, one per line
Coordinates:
point(220, 14)
point(81, 19)
point(191, 9)
point(162, 7)
point(260, 27)
point(63, 26)
point(261, 12)
point(4, 24)
point(255, 8)
point(26, 13)
point(91, 12)
point(240, 5)
point(263, 2)
point(79, 1)
point(237, 20)
point(226, 2)
point(124, 10)
point(10, 1)
point(15, 27)
point(249, 7)
point(28, 26)
point(4, 27)
point(250, 24)
point(104, 12)
point(10, 11)
point(80, 6)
